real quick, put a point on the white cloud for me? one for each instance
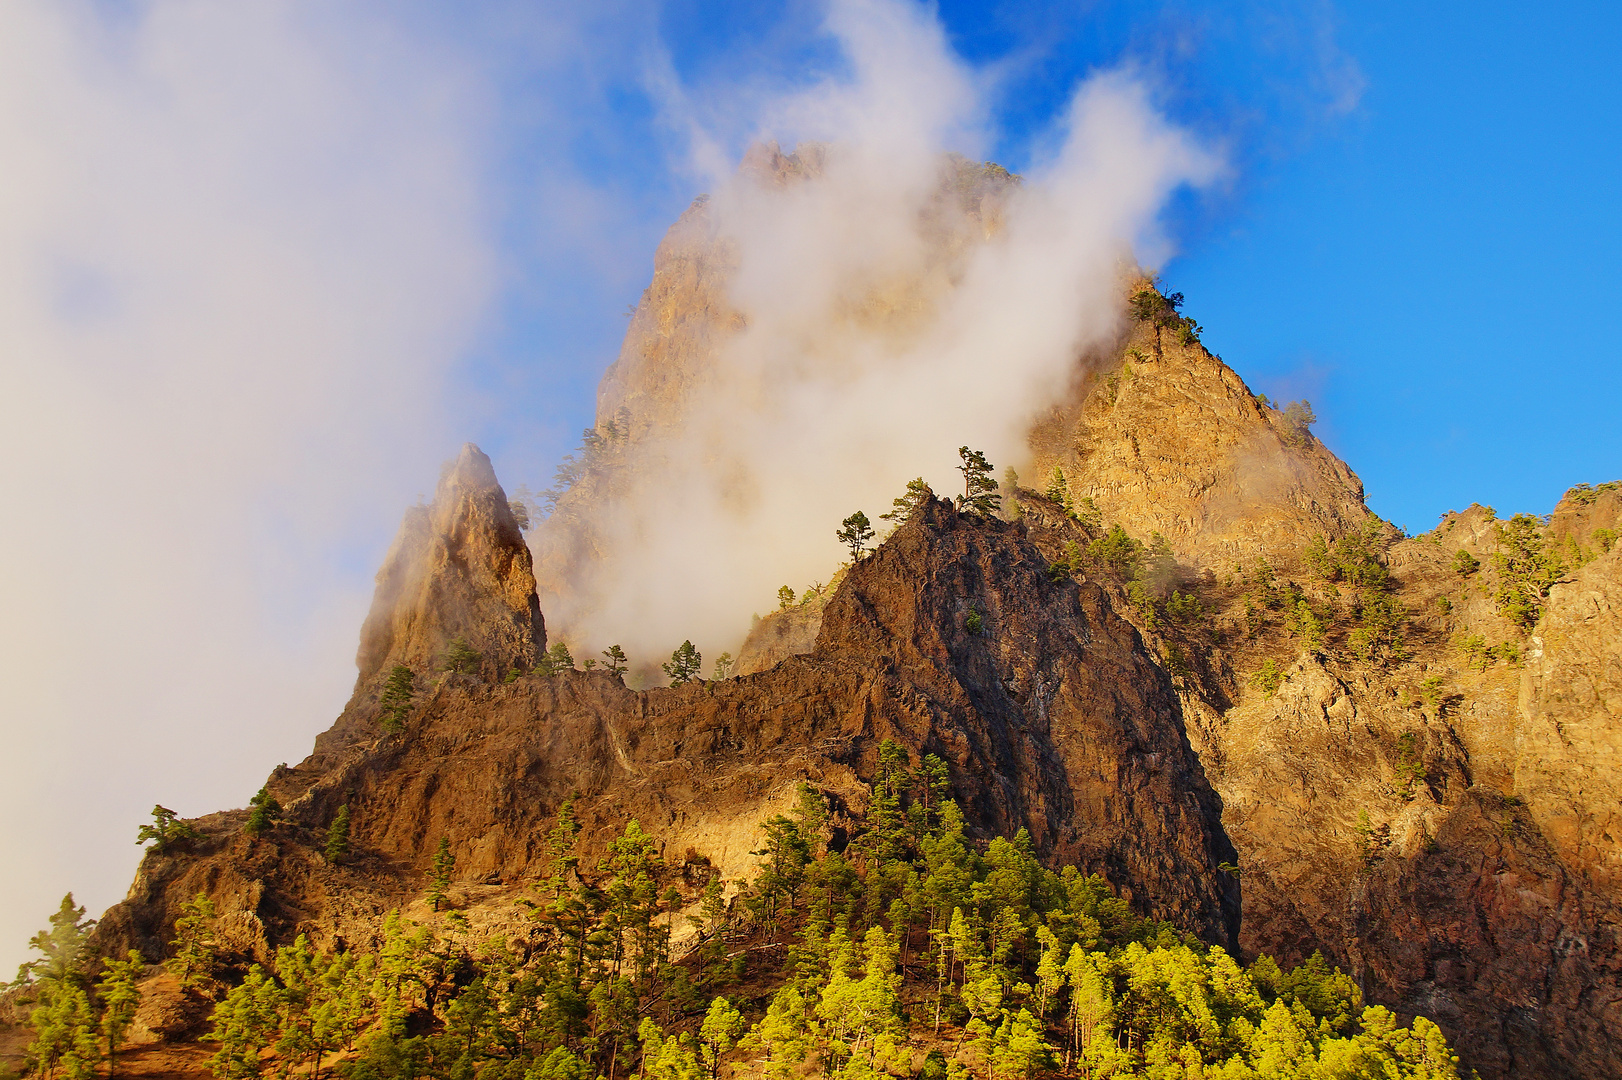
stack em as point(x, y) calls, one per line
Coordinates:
point(822, 404)
point(240, 247)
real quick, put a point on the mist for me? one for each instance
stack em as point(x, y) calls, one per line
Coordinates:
point(869, 353)
point(241, 248)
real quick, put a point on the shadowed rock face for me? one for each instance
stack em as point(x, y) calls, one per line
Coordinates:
point(1054, 718)
point(459, 568)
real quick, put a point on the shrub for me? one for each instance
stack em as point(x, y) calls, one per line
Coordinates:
point(1464, 563)
point(1605, 538)
point(974, 623)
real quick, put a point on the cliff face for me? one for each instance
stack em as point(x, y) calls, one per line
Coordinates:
point(1164, 437)
point(1053, 718)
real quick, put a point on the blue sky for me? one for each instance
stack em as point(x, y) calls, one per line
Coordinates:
point(1413, 233)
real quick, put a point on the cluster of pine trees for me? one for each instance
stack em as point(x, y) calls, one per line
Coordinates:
point(908, 951)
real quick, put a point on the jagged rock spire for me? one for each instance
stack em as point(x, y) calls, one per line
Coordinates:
point(459, 568)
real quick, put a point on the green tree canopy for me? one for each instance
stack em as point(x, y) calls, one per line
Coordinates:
point(855, 532)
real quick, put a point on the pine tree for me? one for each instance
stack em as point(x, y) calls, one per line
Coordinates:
point(264, 813)
point(245, 1023)
point(685, 664)
point(439, 877)
point(395, 700)
point(460, 658)
point(719, 1033)
point(120, 997)
point(1059, 488)
point(785, 598)
point(64, 1031)
point(916, 495)
point(556, 661)
point(616, 659)
point(723, 667)
point(338, 836)
point(193, 958)
point(979, 489)
point(166, 829)
point(780, 1038)
point(61, 947)
point(854, 533)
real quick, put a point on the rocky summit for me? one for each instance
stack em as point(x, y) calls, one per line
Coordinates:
point(1183, 687)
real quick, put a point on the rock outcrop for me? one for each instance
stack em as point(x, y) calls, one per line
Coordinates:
point(459, 569)
point(1163, 437)
point(1053, 718)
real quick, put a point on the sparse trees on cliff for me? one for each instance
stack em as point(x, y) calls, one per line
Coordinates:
point(785, 598)
point(615, 659)
point(395, 700)
point(685, 664)
point(723, 666)
point(979, 488)
point(855, 532)
point(1013, 952)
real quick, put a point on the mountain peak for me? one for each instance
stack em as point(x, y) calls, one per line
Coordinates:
point(458, 569)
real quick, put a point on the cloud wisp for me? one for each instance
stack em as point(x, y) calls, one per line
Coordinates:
point(883, 324)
